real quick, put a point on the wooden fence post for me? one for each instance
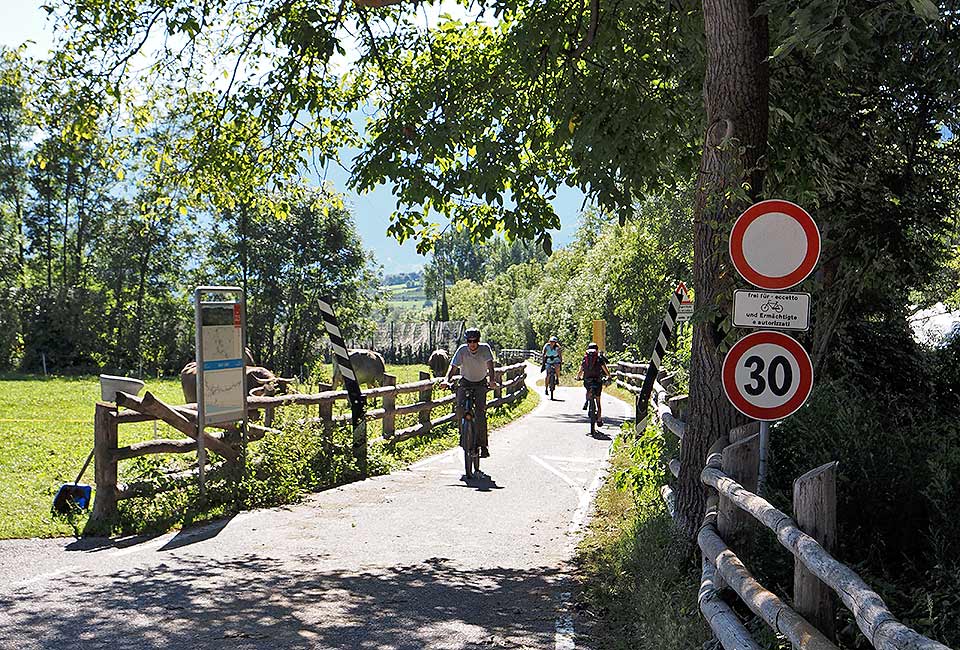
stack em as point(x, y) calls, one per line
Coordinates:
point(815, 511)
point(389, 407)
point(497, 377)
point(325, 412)
point(426, 395)
point(321, 388)
point(744, 431)
point(740, 462)
point(105, 466)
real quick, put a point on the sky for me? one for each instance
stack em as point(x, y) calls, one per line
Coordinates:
point(25, 20)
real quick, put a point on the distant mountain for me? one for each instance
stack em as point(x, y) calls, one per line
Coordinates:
point(414, 279)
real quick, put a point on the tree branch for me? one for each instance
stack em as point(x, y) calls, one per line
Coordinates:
point(591, 32)
point(375, 4)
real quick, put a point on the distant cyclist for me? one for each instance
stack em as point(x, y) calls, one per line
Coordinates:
point(593, 370)
point(474, 361)
point(552, 360)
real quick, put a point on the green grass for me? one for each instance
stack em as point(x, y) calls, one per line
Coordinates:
point(636, 591)
point(46, 432)
point(407, 298)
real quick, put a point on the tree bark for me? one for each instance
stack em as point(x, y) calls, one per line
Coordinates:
point(736, 98)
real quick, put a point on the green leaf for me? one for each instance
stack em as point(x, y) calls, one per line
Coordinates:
point(925, 9)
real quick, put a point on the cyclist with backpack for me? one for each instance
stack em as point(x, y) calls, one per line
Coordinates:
point(552, 361)
point(474, 360)
point(593, 370)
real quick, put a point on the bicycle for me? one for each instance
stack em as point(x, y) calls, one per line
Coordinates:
point(593, 401)
point(552, 378)
point(469, 437)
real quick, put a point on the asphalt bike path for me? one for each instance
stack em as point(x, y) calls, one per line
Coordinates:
point(415, 559)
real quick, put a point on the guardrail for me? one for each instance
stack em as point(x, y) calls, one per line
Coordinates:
point(668, 410)
point(226, 442)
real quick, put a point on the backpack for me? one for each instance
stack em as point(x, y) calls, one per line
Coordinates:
point(591, 365)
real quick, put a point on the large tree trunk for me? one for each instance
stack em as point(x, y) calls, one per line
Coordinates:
point(736, 98)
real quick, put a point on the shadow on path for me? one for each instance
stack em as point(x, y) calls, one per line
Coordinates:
point(253, 602)
point(183, 537)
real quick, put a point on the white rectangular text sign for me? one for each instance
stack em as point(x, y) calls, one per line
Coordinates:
point(771, 310)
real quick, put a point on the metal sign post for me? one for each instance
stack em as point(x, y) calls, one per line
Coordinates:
point(774, 245)
point(221, 336)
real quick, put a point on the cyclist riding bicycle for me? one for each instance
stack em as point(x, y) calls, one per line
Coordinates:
point(552, 360)
point(593, 370)
point(474, 361)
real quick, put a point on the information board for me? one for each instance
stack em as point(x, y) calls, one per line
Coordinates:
point(221, 352)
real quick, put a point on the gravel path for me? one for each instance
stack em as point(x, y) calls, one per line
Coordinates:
point(415, 559)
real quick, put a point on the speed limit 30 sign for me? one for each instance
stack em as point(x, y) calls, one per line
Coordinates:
point(767, 375)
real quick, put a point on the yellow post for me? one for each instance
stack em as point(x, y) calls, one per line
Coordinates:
point(600, 334)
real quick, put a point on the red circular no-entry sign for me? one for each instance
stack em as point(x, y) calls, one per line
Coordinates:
point(774, 244)
point(767, 375)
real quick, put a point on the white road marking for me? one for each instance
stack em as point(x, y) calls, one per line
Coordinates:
point(429, 461)
point(563, 638)
point(146, 546)
point(573, 459)
point(566, 479)
point(565, 634)
point(580, 516)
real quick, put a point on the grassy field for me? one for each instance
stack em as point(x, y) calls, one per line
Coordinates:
point(46, 432)
point(404, 297)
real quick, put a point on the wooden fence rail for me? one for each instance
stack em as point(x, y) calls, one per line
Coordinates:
point(731, 469)
point(513, 354)
point(873, 617)
point(511, 387)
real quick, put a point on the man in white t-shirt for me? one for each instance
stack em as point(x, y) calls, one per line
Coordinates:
point(474, 361)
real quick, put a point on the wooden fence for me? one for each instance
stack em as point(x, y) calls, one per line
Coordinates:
point(227, 441)
point(810, 536)
point(513, 355)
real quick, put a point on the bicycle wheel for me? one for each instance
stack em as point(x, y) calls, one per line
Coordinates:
point(593, 414)
point(467, 442)
point(553, 383)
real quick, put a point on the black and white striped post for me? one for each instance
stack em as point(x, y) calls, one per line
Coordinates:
point(358, 402)
point(659, 348)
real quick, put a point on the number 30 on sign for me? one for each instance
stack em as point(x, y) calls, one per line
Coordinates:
point(767, 375)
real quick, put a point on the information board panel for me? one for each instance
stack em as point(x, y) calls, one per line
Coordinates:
point(771, 310)
point(685, 308)
point(220, 340)
point(223, 373)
